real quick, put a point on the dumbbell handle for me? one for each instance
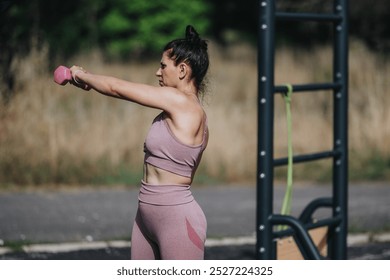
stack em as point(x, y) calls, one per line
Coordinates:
point(62, 76)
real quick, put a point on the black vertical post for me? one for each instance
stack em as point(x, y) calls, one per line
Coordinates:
point(338, 246)
point(265, 129)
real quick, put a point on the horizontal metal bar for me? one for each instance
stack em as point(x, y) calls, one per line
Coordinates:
point(308, 211)
point(308, 17)
point(308, 157)
point(329, 222)
point(308, 87)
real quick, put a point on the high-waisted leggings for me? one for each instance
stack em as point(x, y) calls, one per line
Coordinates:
point(169, 225)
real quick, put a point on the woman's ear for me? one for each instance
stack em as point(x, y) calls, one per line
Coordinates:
point(183, 70)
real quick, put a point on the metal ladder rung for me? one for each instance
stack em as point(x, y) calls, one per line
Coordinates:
point(308, 17)
point(308, 87)
point(308, 157)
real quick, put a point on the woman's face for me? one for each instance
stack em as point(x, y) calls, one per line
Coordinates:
point(168, 73)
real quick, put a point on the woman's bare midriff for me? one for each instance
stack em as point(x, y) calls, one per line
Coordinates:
point(157, 176)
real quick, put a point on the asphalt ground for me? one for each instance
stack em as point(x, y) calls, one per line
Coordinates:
point(93, 221)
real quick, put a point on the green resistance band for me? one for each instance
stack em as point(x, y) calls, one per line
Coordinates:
point(286, 206)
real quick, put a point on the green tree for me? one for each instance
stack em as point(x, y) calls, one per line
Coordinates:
point(139, 26)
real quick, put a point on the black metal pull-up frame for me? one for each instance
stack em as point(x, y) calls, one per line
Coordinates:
point(266, 218)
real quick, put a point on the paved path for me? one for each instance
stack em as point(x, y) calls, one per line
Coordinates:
point(106, 214)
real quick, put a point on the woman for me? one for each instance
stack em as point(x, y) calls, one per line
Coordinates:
point(169, 222)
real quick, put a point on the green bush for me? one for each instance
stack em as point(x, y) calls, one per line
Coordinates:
point(146, 26)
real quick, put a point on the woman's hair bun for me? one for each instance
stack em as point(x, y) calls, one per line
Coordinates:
point(193, 36)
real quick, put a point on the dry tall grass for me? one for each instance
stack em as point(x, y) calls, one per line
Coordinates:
point(50, 133)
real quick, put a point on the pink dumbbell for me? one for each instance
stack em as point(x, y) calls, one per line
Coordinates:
point(62, 76)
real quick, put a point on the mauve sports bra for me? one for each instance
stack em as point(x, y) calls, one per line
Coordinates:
point(163, 150)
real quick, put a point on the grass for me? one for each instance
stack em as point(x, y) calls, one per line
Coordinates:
point(16, 246)
point(52, 134)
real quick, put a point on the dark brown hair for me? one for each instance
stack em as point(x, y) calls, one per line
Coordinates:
point(193, 51)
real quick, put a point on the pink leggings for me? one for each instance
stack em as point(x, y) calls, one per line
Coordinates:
point(170, 225)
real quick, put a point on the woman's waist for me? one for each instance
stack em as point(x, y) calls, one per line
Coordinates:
point(157, 176)
point(165, 194)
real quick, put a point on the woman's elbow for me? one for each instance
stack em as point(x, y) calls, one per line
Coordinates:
point(110, 87)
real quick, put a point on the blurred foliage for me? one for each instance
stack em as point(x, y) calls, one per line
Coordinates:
point(118, 26)
point(121, 27)
point(138, 28)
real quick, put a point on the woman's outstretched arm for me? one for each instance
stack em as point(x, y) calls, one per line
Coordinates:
point(164, 98)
